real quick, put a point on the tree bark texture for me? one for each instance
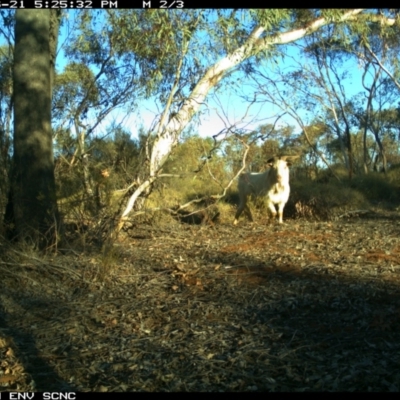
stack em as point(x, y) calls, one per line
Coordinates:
point(32, 208)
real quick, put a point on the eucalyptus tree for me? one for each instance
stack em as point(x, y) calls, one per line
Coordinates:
point(331, 76)
point(378, 58)
point(347, 111)
point(75, 92)
point(32, 213)
point(314, 82)
point(96, 81)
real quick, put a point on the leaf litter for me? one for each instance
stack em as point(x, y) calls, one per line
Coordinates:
point(306, 306)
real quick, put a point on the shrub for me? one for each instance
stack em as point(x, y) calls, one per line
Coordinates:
point(321, 201)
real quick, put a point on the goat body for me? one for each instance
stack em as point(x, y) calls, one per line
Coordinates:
point(272, 183)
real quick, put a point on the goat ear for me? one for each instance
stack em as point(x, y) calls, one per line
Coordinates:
point(291, 158)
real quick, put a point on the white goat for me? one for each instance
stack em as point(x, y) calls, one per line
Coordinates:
point(272, 183)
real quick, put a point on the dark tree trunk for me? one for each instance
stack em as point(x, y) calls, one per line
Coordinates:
point(381, 156)
point(349, 151)
point(32, 213)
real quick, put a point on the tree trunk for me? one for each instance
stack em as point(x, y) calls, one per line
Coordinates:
point(349, 150)
point(365, 152)
point(382, 155)
point(32, 213)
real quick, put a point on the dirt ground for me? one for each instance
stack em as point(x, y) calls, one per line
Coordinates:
point(304, 306)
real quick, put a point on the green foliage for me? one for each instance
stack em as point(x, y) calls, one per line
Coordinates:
point(154, 41)
point(196, 174)
point(322, 201)
point(377, 188)
point(273, 20)
point(119, 153)
point(114, 163)
point(75, 86)
point(394, 173)
point(335, 170)
point(328, 198)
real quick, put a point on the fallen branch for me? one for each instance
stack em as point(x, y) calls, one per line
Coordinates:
point(355, 212)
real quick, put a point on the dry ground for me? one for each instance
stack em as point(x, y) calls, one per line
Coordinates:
point(307, 306)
